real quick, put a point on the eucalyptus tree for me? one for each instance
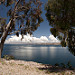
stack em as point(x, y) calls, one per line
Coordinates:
point(24, 17)
point(61, 16)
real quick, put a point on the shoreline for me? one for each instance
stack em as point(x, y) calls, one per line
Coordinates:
point(20, 67)
point(34, 43)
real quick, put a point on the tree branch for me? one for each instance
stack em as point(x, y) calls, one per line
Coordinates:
point(5, 33)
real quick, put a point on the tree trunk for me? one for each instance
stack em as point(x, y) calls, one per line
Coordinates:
point(1, 48)
point(5, 33)
point(4, 36)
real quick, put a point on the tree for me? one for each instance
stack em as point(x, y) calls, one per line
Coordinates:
point(61, 16)
point(24, 17)
point(71, 41)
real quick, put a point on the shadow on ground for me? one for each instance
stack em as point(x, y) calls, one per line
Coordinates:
point(56, 69)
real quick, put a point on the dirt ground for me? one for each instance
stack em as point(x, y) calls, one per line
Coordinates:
point(18, 67)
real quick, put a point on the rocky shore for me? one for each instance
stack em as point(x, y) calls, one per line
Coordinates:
point(19, 67)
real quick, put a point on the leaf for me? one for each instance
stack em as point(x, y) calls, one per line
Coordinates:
point(17, 34)
point(63, 43)
point(9, 2)
point(54, 32)
point(28, 22)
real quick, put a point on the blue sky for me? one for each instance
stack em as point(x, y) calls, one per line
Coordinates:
point(44, 29)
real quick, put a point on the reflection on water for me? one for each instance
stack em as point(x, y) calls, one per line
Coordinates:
point(52, 52)
point(39, 53)
point(43, 51)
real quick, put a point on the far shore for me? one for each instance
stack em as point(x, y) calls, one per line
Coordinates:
point(19, 67)
point(36, 43)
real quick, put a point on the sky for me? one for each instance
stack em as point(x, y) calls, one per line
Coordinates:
point(42, 34)
point(44, 28)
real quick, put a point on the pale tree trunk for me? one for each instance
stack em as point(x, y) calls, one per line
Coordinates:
point(5, 33)
point(4, 36)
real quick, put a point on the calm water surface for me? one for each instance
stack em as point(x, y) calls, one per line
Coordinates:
point(40, 53)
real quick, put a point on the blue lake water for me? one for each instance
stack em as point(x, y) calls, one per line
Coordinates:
point(46, 54)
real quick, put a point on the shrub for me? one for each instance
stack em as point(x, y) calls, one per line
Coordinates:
point(8, 57)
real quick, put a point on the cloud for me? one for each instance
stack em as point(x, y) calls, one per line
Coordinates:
point(31, 39)
point(53, 39)
point(44, 38)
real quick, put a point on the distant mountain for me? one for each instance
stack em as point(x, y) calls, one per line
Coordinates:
point(34, 43)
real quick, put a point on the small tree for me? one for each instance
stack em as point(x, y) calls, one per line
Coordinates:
point(61, 16)
point(24, 17)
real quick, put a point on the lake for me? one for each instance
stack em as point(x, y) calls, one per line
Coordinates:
point(46, 54)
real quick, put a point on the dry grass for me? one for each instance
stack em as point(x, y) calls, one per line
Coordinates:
point(18, 67)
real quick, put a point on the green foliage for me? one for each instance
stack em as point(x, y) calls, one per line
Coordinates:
point(63, 43)
point(26, 16)
point(56, 64)
point(9, 2)
point(40, 19)
point(2, 1)
point(2, 25)
point(63, 65)
point(17, 34)
point(2, 21)
point(60, 37)
point(54, 32)
point(61, 16)
point(69, 65)
point(71, 41)
point(8, 57)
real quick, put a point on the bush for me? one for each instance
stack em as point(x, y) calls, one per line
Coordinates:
point(8, 57)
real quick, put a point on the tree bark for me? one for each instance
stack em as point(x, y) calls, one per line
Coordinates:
point(5, 33)
point(1, 48)
point(4, 36)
